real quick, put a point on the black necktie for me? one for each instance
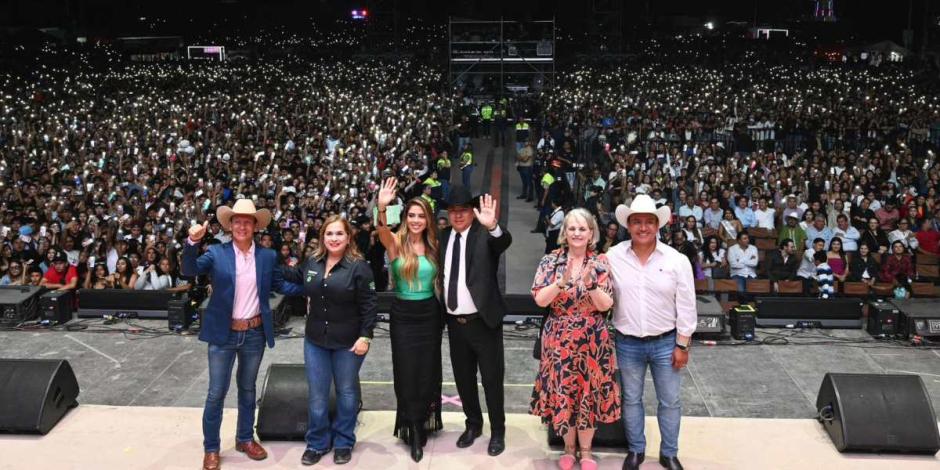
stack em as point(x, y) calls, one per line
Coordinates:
point(454, 274)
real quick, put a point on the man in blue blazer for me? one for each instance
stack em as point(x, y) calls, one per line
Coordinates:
point(238, 321)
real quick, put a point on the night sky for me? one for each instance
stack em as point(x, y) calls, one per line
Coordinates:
point(867, 19)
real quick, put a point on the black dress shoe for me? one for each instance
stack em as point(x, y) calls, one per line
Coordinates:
point(633, 461)
point(341, 456)
point(417, 451)
point(497, 444)
point(536, 231)
point(672, 463)
point(311, 457)
point(469, 435)
point(520, 197)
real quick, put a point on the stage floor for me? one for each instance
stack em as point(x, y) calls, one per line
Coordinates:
point(158, 438)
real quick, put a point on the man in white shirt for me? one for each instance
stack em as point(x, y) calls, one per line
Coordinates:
point(474, 311)
point(807, 270)
point(691, 208)
point(713, 214)
point(904, 235)
point(847, 233)
point(764, 215)
point(655, 316)
point(742, 259)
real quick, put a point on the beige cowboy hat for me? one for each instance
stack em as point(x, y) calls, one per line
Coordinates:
point(643, 204)
point(243, 207)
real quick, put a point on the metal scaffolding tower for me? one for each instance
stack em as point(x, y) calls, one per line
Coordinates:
point(501, 56)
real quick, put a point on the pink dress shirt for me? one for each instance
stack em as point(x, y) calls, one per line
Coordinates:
point(246, 304)
point(652, 299)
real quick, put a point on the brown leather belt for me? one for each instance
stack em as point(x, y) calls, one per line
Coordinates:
point(464, 319)
point(245, 325)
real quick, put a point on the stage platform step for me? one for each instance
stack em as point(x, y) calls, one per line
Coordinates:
point(165, 438)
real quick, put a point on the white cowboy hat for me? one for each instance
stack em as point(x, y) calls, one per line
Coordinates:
point(643, 204)
point(243, 207)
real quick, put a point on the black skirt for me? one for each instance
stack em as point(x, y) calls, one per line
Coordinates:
point(416, 330)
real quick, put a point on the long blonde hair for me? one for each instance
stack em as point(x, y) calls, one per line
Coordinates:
point(409, 267)
point(352, 251)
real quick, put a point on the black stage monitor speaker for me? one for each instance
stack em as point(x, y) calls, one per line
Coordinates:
point(55, 307)
point(878, 413)
point(18, 304)
point(838, 312)
point(711, 319)
point(151, 304)
point(282, 409)
point(741, 319)
point(35, 394)
point(918, 317)
point(882, 319)
point(179, 313)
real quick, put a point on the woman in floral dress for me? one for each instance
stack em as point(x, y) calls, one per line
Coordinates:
point(576, 387)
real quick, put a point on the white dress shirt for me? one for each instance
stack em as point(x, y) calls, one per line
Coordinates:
point(654, 298)
point(903, 236)
point(742, 261)
point(765, 218)
point(807, 268)
point(465, 305)
point(849, 238)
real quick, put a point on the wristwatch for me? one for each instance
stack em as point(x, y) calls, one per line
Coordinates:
point(366, 339)
point(684, 347)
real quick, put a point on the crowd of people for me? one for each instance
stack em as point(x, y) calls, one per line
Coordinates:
point(108, 164)
point(797, 152)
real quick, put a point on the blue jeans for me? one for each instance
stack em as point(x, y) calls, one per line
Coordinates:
point(465, 175)
point(633, 356)
point(248, 347)
point(525, 173)
point(324, 367)
point(742, 283)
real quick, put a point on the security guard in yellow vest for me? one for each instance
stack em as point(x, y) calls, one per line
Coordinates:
point(466, 166)
point(502, 124)
point(522, 134)
point(426, 195)
point(443, 165)
point(486, 116)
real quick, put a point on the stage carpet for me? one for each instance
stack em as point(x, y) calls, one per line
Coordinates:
point(161, 438)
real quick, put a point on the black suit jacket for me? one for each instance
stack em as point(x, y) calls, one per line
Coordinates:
point(780, 271)
point(483, 252)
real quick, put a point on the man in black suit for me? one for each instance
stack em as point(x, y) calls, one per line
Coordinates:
point(783, 263)
point(474, 310)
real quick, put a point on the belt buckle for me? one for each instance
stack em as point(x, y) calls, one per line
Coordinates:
point(462, 320)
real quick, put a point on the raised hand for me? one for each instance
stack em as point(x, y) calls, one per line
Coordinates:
point(387, 192)
point(589, 275)
point(196, 232)
point(486, 214)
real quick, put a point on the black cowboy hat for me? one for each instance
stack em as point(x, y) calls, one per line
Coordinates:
point(460, 197)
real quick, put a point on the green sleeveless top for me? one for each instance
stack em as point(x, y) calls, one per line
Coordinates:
point(422, 288)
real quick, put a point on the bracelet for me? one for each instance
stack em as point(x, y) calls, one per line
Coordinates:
point(381, 211)
point(366, 339)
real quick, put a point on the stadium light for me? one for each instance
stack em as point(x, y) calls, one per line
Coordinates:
point(710, 25)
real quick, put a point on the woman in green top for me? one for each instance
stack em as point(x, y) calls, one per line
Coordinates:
point(416, 321)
